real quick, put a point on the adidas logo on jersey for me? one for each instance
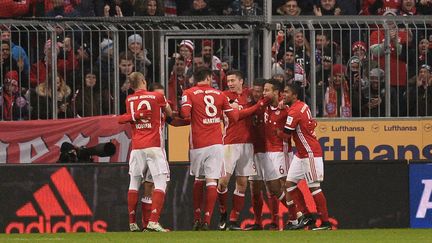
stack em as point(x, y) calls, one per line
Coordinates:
point(52, 207)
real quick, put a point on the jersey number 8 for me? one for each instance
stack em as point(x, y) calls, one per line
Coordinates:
point(210, 108)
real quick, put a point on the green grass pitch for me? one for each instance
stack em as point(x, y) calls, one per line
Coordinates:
point(374, 235)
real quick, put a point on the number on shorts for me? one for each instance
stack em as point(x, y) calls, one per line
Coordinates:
point(281, 170)
point(210, 108)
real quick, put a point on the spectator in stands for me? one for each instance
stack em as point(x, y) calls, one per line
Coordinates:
point(113, 8)
point(14, 8)
point(400, 38)
point(13, 106)
point(289, 8)
point(360, 50)
point(337, 102)
point(178, 82)
point(420, 96)
point(39, 70)
point(6, 61)
point(106, 61)
point(41, 99)
point(408, 7)
point(90, 100)
point(135, 46)
point(243, 8)
point(327, 7)
point(424, 55)
point(424, 7)
point(56, 8)
point(356, 82)
point(149, 8)
point(378, 7)
point(200, 8)
point(126, 66)
point(214, 63)
point(373, 97)
point(323, 77)
point(186, 49)
point(18, 53)
point(285, 62)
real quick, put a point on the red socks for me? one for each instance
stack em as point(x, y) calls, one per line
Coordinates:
point(210, 202)
point(257, 205)
point(146, 204)
point(158, 198)
point(198, 192)
point(223, 199)
point(321, 204)
point(132, 204)
point(238, 203)
point(299, 200)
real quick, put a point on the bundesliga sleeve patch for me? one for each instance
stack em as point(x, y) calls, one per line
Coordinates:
point(184, 99)
point(289, 120)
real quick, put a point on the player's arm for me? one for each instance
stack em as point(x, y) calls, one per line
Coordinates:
point(244, 113)
point(230, 112)
point(177, 121)
point(128, 118)
point(186, 106)
point(291, 122)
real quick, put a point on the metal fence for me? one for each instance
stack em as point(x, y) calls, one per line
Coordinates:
point(348, 67)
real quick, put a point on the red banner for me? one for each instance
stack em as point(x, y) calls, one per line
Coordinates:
point(39, 141)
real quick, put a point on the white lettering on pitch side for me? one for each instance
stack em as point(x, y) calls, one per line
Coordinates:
point(425, 204)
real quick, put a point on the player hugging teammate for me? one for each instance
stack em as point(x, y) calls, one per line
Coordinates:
point(255, 144)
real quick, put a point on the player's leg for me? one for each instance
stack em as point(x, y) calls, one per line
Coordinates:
point(238, 201)
point(136, 168)
point(222, 192)
point(159, 170)
point(197, 170)
point(256, 188)
point(314, 168)
point(146, 202)
point(214, 168)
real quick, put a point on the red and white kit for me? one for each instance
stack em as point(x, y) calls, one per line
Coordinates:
point(237, 138)
point(205, 105)
point(307, 162)
point(275, 165)
point(147, 141)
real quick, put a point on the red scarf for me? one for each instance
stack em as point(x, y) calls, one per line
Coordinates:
point(332, 105)
point(7, 107)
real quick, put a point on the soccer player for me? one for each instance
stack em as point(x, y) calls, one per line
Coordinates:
point(238, 153)
point(204, 106)
point(147, 149)
point(307, 162)
point(256, 181)
point(275, 166)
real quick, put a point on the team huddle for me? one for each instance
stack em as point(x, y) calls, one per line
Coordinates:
point(254, 144)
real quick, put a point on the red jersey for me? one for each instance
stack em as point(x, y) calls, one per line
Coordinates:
point(274, 119)
point(238, 132)
point(146, 133)
point(300, 121)
point(258, 132)
point(398, 70)
point(206, 106)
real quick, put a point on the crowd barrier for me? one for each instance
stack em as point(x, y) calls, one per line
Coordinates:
point(357, 67)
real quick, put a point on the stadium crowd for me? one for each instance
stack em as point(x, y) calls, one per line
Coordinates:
point(350, 77)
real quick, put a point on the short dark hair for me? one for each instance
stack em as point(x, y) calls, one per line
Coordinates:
point(276, 84)
point(201, 73)
point(259, 82)
point(294, 87)
point(155, 86)
point(237, 73)
point(127, 55)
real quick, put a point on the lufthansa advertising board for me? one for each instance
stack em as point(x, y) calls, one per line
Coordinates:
point(350, 140)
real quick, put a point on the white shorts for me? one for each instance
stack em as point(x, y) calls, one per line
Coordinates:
point(149, 178)
point(239, 158)
point(208, 162)
point(289, 157)
point(259, 159)
point(148, 160)
point(311, 169)
point(273, 166)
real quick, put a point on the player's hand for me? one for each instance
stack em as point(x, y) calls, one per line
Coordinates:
point(264, 102)
point(282, 105)
point(234, 105)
